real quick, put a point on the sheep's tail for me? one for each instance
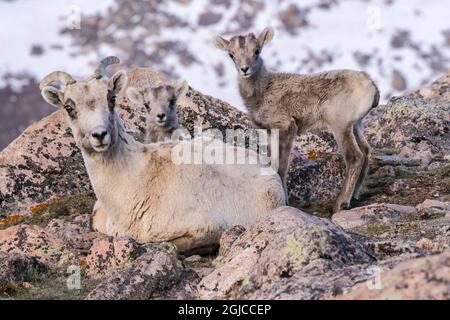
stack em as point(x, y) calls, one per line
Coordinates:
point(376, 96)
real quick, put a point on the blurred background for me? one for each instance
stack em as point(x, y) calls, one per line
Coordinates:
point(401, 43)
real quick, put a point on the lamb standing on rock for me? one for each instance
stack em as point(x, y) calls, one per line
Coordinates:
point(141, 192)
point(160, 104)
point(294, 104)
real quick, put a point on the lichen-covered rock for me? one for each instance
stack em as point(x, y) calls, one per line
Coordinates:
point(17, 268)
point(392, 230)
point(35, 241)
point(108, 254)
point(151, 273)
point(228, 237)
point(77, 234)
point(415, 128)
point(288, 242)
point(438, 90)
point(358, 217)
point(423, 278)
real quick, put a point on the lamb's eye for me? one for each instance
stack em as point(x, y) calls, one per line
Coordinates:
point(70, 110)
point(256, 53)
point(172, 103)
point(231, 56)
point(111, 99)
point(147, 106)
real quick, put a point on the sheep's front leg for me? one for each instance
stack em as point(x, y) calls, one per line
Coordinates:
point(99, 218)
point(286, 140)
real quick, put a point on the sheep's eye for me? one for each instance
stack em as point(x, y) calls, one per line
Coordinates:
point(231, 56)
point(172, 103)
point(147, 106)
point(70, 110)
point(256, 53)
point(111, 99)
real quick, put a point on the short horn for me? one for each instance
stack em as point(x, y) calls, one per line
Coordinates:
point(100, 71)
point(57, 76)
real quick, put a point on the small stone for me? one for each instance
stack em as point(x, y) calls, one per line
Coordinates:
point(149, 274)
point(385, 171)
point(396, 160)
point(425, 244)
point(362, 216)
point(193, 259)
point(228, 237)
point(109, 254)
point(433, 207)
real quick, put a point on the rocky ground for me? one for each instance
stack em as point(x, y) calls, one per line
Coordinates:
point(394, 243)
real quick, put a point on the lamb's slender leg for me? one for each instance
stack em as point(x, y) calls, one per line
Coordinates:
point(353, 162)
point(365, 148)
point(286, 141)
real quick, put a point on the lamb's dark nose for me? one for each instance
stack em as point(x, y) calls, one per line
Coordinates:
point(99, 135)
point(161, 116)
point(244, 69)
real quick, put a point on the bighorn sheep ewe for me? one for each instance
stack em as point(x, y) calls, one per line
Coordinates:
point(141, 192)
point(160, 104)
point(294, 103)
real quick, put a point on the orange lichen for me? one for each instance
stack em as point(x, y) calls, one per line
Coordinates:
point(83, 263)
point(35, 209)
point(10, 220)
point(312, 155)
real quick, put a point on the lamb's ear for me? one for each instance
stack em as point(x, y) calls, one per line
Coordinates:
point(180, 87)
point(221, 43)
point(118, 81)
point(135, 95)
point(265, 36)
point(52, 96)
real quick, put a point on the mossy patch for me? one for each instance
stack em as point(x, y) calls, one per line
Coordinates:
point(61, 207)
point(53, 287)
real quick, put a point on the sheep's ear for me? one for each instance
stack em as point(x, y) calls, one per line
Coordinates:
point(265, 36)
point(135, 95)
point(221, 43)
point(52, 96)
point(180, 87)
point(118, 81)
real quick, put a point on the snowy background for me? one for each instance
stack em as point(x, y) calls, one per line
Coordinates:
point(401, 43)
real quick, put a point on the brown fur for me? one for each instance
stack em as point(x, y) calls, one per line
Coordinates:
point(294, 104)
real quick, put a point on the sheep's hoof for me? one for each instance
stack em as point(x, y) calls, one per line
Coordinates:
point(340, 206)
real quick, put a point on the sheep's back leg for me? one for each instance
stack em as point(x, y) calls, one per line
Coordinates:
point(353, 162)
point(365, 149)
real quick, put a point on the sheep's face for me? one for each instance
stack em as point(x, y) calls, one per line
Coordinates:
point(160, 102)
point(245, 50)
point(90, 110)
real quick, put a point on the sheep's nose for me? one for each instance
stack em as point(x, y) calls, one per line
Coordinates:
point(244, 69)
point(99, 134)
point(161, 116)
